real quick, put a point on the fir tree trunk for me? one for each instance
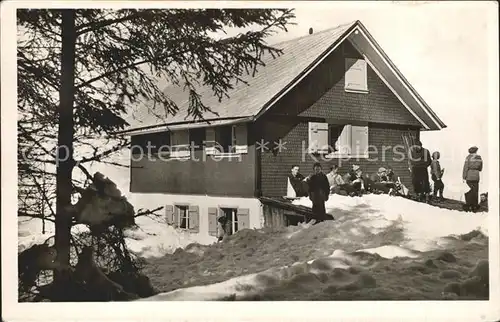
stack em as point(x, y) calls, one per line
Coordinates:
point(65, 144)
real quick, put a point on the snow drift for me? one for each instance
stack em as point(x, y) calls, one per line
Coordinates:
point(379, 247)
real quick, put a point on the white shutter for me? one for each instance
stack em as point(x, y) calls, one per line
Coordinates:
point(318, 137)
point(179, 144)
point(241, 137)
point(210, 141)
point(343, 143)
point(356, 74)
point(360, 141)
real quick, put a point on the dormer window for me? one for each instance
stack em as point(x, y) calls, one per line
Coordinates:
point(356, 76)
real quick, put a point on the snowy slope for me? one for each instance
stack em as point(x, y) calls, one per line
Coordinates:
point(372, 240)
point(374, 237)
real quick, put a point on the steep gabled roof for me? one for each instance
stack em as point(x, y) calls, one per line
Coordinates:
point(278, 75)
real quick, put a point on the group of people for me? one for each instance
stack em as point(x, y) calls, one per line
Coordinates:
point(318, 186)
point(353, 183)
point(421, 160)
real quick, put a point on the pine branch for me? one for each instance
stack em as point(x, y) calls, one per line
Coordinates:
point(94, 26)
point(104, 154)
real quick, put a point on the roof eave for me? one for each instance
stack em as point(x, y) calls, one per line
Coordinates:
point(306, 71)
point(165, 126)
point(439, 124)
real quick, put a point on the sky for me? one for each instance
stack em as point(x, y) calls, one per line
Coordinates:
point(442, 50)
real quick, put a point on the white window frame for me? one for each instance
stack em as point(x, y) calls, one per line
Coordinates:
point(178, 213)
point(236, 150)
point(361, 63)
point(234, 211)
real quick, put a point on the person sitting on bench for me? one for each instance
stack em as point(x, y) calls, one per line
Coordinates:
point(355, 185)
point(337, 184)
point(382, 183)
point(399, 188)
point(298, 182)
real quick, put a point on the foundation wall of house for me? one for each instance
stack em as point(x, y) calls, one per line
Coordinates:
point(202, 207)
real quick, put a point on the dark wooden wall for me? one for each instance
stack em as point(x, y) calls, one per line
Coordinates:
point(321, 95)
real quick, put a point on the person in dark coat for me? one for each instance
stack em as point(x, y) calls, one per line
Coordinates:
point(483, 204)
point(473, 165)
point(297, 180)
point(355, 182)
point(420, 160)
point(319, 191)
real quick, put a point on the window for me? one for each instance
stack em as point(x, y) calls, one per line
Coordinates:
point(229, 139)
point(338, 139)
point(139, 143)
point(231, 214)
point(238, 219)
point(197, 136)
point(179, 144)
point(356, 76)
point(183, 216)
point(226, 139)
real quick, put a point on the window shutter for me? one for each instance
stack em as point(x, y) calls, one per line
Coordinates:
point(356, 74)
point(212, 221)
point(360, 140)
point(343, 143)
point(318, 137)
point(194, 219)
point(243, 218)
point(169, 214)
point(210, 141)
point(241, 136)
point(179, 144)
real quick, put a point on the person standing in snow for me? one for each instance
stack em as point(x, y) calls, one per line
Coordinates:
point(437, 176)
point(420, 160)
point(473, 165)
point(319, 191)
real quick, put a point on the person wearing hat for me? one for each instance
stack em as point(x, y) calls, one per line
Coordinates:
point(380, 182)
point(355, 183)
point(420, 160)
point(319, 191)
point(473, 165)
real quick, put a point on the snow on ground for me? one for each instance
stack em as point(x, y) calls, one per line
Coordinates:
point(424, 225)
point(378, 247)
point(154, 238)
point(30, 232)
